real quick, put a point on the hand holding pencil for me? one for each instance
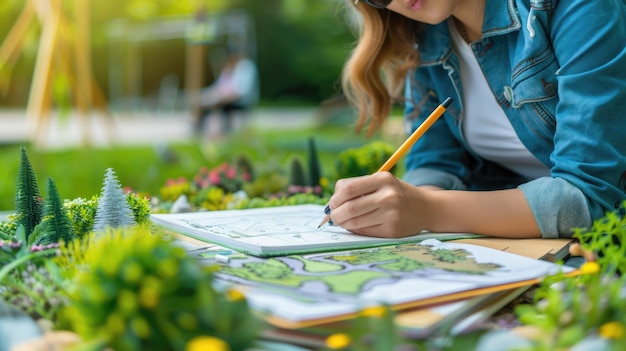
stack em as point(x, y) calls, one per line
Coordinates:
point(361, 186)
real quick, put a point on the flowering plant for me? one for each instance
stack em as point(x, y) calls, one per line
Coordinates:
point(135, 291)
point(225, 176)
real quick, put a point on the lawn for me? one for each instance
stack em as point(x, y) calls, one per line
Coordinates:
point(79, 172)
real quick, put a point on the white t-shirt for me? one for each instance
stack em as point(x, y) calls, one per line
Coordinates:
point(486, 128)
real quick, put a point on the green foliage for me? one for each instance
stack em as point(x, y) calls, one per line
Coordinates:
point(140, 207)
point(55, 224)
point(297, 172)
point(266, 183)
point(607, 240)
point(8, 228)
point(142, 293)
point(113, 208)
point(28, 201)
point(81, 213)
point(315, 172)
point(571, 310)
point(364, 160)
point(212, 198)
point(36, 289)
point(296, 199)
point(312, 47)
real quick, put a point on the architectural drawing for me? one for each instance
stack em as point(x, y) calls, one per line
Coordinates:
point(301, 288)
point(277, 231)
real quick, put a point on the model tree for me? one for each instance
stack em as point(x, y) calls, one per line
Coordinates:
point(56, 225)
point(113, 208)
point(28, 201)
point(297, 176)
point(315, 172)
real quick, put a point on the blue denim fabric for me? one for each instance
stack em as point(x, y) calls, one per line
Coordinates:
point(558, 69)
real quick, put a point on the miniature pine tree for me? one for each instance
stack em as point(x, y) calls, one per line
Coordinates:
point(56, 225)
point(113, 208)
point(314, 164)
point(28, 201)
point(297, 173)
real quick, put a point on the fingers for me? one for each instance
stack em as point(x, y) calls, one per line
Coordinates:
point(352, 188)
point(357, 203)
point(354, 213)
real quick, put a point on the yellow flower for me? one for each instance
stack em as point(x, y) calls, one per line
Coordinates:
point(590, 268)
point(148, 297)
point(205, 343)
point(234, 295)
point(612, 330)
point(376, 311)
point(323, 182)
point(338, 341)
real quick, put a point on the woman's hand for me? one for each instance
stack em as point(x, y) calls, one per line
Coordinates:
point(384, 206)
point(380, 205)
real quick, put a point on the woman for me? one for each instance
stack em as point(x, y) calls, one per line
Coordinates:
point(533, 144)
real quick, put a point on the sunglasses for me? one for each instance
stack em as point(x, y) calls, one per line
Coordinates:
point(379, 4)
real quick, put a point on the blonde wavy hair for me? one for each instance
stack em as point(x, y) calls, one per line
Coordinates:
point(373, 76)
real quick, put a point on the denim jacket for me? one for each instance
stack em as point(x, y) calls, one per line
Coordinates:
point(558, 69)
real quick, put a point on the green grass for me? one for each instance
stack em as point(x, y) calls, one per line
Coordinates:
point(79, 172)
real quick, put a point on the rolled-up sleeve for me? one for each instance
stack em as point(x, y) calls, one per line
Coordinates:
point(434, 177)
point(559, 207)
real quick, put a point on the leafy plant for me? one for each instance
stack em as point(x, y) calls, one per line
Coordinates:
point(81, 213)
point(36, 289)
point(607, 240)
point(212, 198)
point(296, 199)
point(364, 160)
point(573, 310)
point(139, 292)
point(266, 184)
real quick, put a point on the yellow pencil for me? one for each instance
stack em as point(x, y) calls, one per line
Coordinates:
point(404, 148)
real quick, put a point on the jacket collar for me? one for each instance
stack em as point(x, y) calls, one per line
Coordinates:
point(500, 18)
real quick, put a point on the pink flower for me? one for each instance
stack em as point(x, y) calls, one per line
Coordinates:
point(214, 177)
point(231, 173)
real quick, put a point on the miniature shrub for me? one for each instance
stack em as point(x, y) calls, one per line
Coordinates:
point(139, 292)
point(362, 161)
point(81, 213)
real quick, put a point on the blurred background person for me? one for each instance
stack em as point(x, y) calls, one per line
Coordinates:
point(232, 94)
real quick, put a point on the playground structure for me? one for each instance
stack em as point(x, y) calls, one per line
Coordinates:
point(64, 51)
